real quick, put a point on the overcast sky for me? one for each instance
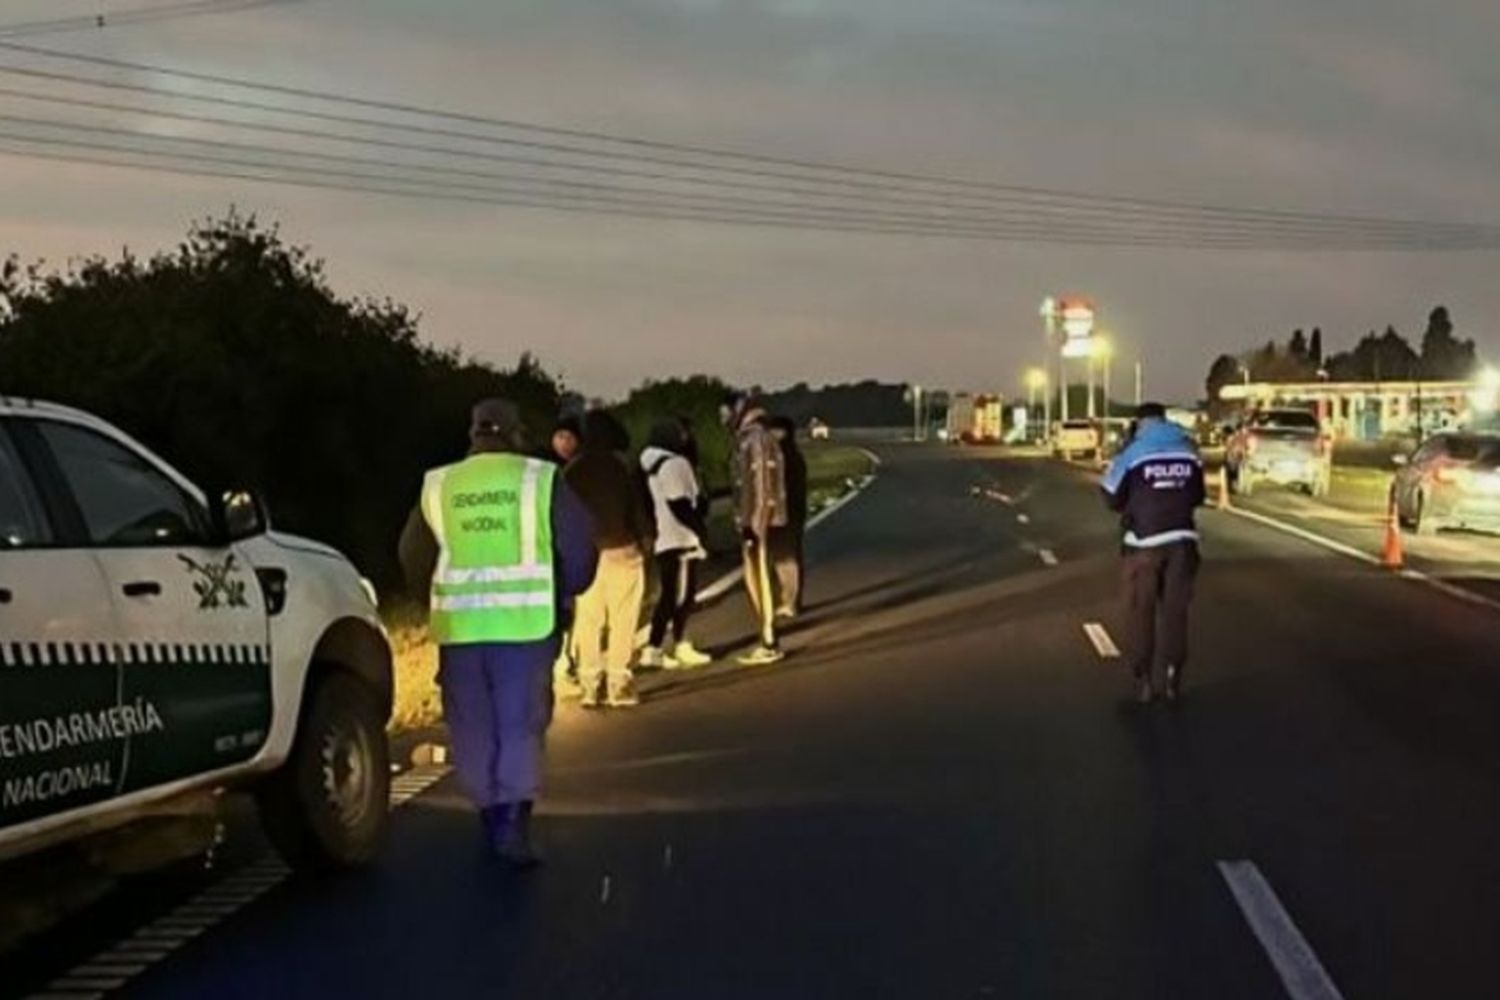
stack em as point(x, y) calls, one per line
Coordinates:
point(1361, 106)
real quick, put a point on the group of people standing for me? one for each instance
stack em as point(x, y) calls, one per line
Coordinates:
point(656, 514)
point(535, 564)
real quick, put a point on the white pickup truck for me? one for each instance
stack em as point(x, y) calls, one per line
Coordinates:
point(155, 642)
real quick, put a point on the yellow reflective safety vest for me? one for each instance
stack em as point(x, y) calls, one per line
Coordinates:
point(492, 517)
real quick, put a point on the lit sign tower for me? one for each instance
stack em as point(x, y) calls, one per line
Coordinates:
point(1074, 317)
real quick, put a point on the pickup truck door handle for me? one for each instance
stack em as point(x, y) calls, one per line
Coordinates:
point(142, 588)
point(6, 596)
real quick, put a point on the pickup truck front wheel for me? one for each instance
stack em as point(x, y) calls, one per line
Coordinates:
point(327, 806)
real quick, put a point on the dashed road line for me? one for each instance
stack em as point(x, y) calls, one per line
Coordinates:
point(148, 946)
point(1047, 556)
point(1293, 958)
point(1023, 518)
point(1103, 644)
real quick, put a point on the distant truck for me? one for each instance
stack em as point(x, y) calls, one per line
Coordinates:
point(975, 419)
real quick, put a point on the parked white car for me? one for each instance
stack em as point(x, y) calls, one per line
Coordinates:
point(155, 642)
point(1076, 437)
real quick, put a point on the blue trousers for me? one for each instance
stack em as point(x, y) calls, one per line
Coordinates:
point(497, 701)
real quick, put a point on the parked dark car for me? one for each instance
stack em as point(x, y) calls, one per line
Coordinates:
point(1451, 481)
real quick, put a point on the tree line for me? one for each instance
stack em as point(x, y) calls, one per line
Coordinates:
point(1388, 356)
point(232, 357)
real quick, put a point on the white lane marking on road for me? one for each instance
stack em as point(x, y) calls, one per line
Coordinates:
point(604, 889)
point(1103, 644)
point(1293, 958)
point(1415, 576)
point(1047, 556)
point(1304, 534)
point(666, 858)
point(157, 941)
point(1023, 519)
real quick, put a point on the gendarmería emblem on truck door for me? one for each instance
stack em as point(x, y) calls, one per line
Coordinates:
point(217, 584)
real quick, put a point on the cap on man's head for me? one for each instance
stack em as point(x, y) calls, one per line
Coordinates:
point(1151, 411)
point(495, 419)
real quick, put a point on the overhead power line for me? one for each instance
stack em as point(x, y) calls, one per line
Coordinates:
point(784, 195)
point(134, 15)
point(583, 206)
point(343, 176)
point(705, 158)
point(528, 165)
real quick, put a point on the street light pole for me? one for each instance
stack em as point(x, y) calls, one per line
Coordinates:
point(1088, 363)
point(1108, 364)
point(1046, 408)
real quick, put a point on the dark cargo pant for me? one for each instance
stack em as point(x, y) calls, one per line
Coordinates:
point(1158, 591)
point(497, 701)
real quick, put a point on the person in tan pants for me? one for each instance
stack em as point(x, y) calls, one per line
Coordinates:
point(608, 614)
point(604, 626)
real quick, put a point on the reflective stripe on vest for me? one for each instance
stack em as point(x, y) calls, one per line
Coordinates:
point(491, 515)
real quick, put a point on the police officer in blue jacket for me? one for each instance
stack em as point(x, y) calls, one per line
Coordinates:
point(1156, 484)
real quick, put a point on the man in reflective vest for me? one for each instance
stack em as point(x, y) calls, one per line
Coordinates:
point(501, 545)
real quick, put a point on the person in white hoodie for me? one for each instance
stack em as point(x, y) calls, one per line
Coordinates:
point(677, 500)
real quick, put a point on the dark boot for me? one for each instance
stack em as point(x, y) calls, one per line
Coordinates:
point(512, 843)
point(491, 820)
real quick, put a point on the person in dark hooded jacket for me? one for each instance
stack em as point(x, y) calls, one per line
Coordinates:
point(608, 613)
point(787, 541)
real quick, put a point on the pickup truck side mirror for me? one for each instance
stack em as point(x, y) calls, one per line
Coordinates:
point(238, 515)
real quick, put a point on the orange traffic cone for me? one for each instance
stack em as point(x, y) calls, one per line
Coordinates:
point(1224, 487)
point(1391, 556)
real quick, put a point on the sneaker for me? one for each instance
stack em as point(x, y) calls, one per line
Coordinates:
point(566, 686)
point(687, 656)
point(1144, 693)
point(762, 656)
point(589, 696)
point(624, 696)
point(651, 659)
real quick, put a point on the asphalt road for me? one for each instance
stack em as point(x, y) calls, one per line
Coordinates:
point(945, 791)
